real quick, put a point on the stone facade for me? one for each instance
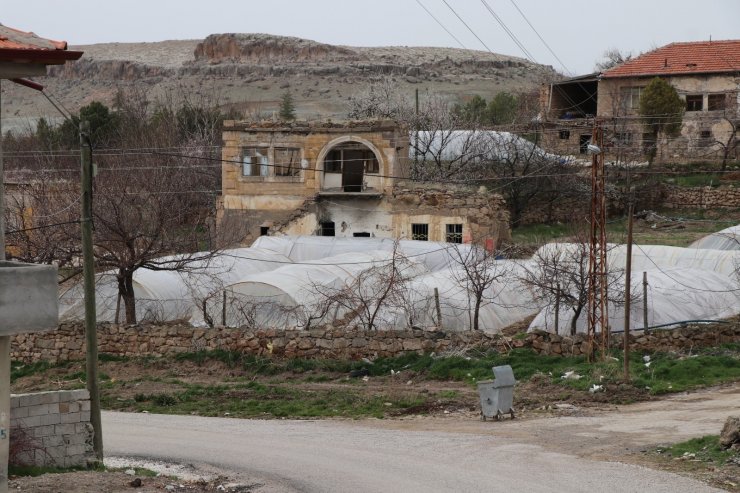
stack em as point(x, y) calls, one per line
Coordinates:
point(66, 343)
point(347, 180)
point(57, 426)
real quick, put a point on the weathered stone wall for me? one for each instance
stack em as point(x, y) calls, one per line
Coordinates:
point(692, 336)
point(67, 342)
point(701, 197)
point(57, 426)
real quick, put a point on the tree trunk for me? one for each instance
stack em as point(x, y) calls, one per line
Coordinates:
point(126, 291)
point(576, 314)
point(476, 312)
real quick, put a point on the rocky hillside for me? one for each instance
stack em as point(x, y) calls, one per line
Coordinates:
point(251, 71)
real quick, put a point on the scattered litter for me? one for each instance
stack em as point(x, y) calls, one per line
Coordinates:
point(131, 472)
point(571, 375)
point(387, 404)
point(227, 414)
point(613, 358)
point(365, 378)
point(596, 388)
point(647, 365)
point(393, 372)
point(409, 382)
point(646, 358)
point(367, 361)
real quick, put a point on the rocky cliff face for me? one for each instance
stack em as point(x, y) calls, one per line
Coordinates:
point(265, 48)
point(250, 72)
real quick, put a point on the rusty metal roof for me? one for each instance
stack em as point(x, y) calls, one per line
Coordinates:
point(682, 59)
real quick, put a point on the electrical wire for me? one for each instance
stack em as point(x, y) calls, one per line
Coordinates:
point(441, 25)
point(469, 28)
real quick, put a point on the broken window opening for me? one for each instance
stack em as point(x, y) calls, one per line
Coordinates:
point(264, 230)
point(694, 102)
point(361, 235)
point(629, 97)
point(254, 161)
point(326, 228)
point(716, 102)
point(564, 134)
point(454, 233)
point(420, 232)
point(287, 161)
point(583, 142)
point(351, 153)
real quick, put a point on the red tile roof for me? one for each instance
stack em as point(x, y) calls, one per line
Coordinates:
point(21, 46)
point(682, 58)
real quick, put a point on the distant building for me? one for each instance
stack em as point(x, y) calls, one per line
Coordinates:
point(705, 74)
point(347, 180)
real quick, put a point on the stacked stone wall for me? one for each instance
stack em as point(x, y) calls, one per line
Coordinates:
point(67, 342)
point(701, 197)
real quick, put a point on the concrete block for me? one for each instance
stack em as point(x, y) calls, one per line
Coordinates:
point(75, 450)
point(70, 418)
point(19, 412)
point(38, 410)
point(76, 439)
point(14, 402)
point(73, 407)
point(79, 395)
point(84, 428)
point(49, 397)
point(85, 417)
point(51, 419)
point(52, 441)
point(65, 429)
point(42, 431)
point(31, 421)
point(84, 405)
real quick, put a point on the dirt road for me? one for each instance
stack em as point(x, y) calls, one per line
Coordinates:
point(443, 454)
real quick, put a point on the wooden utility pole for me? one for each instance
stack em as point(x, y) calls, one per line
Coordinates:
point(557, 309)
point(627, 294)
point(88, 270)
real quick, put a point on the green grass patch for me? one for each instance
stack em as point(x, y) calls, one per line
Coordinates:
point(676, 373)
point(539, 233)
point(34, 471)
point(705, 449)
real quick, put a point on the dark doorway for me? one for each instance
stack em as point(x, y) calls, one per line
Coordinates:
point(352, 174)
point(326, 228)
point(361, 235)
point(583, 142)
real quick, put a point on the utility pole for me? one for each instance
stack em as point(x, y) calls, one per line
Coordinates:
point(4, 340)
point(627, 294)
point(598, 318)
point(88, 267)
point(645, 329)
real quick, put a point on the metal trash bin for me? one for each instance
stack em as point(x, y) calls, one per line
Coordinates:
point(497, 396)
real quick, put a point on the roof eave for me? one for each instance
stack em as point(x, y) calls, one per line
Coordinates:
point(47, 57)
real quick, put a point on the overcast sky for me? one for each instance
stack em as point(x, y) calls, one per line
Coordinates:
point(577, 31)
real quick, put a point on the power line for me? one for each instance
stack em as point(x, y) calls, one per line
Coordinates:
point(500, 21)
point(469, 28)
point(541, 39)
point(440, 24)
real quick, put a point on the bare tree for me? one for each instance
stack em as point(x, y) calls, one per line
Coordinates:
point(478, 270)
point(611, 58)
point(558, 275)
point(362, 298)
point(728, 145)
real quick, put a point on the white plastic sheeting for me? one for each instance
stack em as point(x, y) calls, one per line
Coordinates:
point(684, 284)
point(301, 295)
point(170, 295)
point(646, 257)
point(727, 239)
point(505, 302)
point(674, 295)
point(454, 145)
point(434, 255)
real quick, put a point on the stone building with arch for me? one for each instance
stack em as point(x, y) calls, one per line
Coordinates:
point(345, 179)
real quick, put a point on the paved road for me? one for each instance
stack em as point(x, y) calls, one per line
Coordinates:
point(343, 456)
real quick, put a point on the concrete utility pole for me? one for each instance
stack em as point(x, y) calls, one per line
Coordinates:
point(88, 268)
point(4, 340)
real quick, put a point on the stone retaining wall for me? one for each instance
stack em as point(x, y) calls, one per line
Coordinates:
point(56, 426)
point(66, 343)
point(701, 197)
point(692, 336)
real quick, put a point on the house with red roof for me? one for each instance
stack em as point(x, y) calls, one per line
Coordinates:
point(706, 76)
